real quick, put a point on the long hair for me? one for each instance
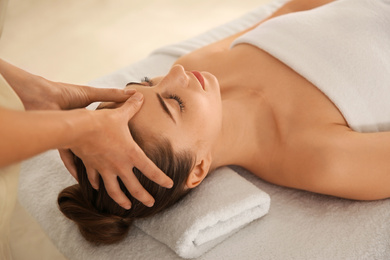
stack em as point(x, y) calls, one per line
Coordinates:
point(100, 219)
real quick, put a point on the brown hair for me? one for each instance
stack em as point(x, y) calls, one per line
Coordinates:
point(103, 221)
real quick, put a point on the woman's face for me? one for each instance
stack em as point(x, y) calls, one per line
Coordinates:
point(184, 107)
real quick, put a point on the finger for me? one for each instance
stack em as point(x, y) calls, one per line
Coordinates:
point(67, 158)
point(108, 94)
point(132, 105)
point(149, 169)
point(93, 177)
point(77, 96)
point(136, 189)
point(115, 192)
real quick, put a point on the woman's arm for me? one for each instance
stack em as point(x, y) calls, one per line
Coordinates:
point(339, 162)
point(361, 165)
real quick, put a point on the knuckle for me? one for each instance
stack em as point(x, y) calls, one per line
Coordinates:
point(154, 176)
point(144, 163)
point(91, 180)
point(112, 116)
point(91, 176)
point(138, 194)
point(114, 194)
point(115, 91)
point(134, 107)
point(125, 178)
point(133, 103)
point(133, 151)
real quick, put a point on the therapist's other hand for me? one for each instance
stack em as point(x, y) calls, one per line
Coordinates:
point(43, 94)
point(72, 96)
point(38, 93)
point(111, 152)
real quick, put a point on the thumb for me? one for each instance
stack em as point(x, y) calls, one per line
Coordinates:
point(133, 104)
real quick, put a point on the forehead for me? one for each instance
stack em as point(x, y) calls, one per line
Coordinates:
point(152, 122)
point(151, 114)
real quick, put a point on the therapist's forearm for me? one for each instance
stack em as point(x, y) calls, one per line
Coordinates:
point(16, 77)
point(34, 91)
point(25, 134)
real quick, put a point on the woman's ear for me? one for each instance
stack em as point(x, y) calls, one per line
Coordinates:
point(199, 172)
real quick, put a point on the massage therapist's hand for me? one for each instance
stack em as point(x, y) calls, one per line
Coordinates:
point(38, 93)
point(109, 150)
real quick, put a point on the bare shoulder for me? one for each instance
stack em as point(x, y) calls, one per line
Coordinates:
point(200, 58)
point(303, 5)
point(337, 161)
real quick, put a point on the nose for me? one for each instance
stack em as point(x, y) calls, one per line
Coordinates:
point(178, 77)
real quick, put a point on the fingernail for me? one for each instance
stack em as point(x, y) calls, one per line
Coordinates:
point(129, 91)
point(138, 96)
point(128, 206)
point(169, 186)
point(150, 205)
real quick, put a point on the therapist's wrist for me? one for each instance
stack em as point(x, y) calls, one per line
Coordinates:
point(34, 91)
point(81, 124)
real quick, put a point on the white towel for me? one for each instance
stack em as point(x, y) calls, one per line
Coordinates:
point(220, 206)
point(224, 203)
point(343, 48)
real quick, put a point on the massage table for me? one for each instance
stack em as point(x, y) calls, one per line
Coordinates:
point(299, 224)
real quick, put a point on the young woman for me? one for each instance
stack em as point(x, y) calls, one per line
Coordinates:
point(233, 102)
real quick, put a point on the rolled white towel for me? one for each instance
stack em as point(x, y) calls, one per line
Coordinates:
point(223, 204)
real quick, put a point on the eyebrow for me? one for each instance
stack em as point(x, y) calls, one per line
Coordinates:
point(134, 83)
point(164, 106)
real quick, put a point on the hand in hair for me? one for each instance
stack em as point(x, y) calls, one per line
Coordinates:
point(100, 220)
point(110, 151)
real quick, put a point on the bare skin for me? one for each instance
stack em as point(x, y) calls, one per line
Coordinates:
point(55, 119)
point(303, 140)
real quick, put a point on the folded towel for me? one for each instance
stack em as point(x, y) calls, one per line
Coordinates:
point(224, 203)
point(343, 49)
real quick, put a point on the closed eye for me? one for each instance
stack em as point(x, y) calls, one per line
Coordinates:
point(149, 83)
point(144, 82)
point(179, 101)
point(148, 80)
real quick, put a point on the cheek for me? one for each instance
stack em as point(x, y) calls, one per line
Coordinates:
point(207, 120)
point(211, 110)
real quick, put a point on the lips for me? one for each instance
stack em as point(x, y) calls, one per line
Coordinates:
point(199, 77)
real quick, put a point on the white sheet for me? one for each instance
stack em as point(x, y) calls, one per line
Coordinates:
point(299, 225)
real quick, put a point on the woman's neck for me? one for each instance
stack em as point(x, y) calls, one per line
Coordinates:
point(249, 130)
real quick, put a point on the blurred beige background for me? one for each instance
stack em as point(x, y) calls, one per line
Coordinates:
point(78, 40)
